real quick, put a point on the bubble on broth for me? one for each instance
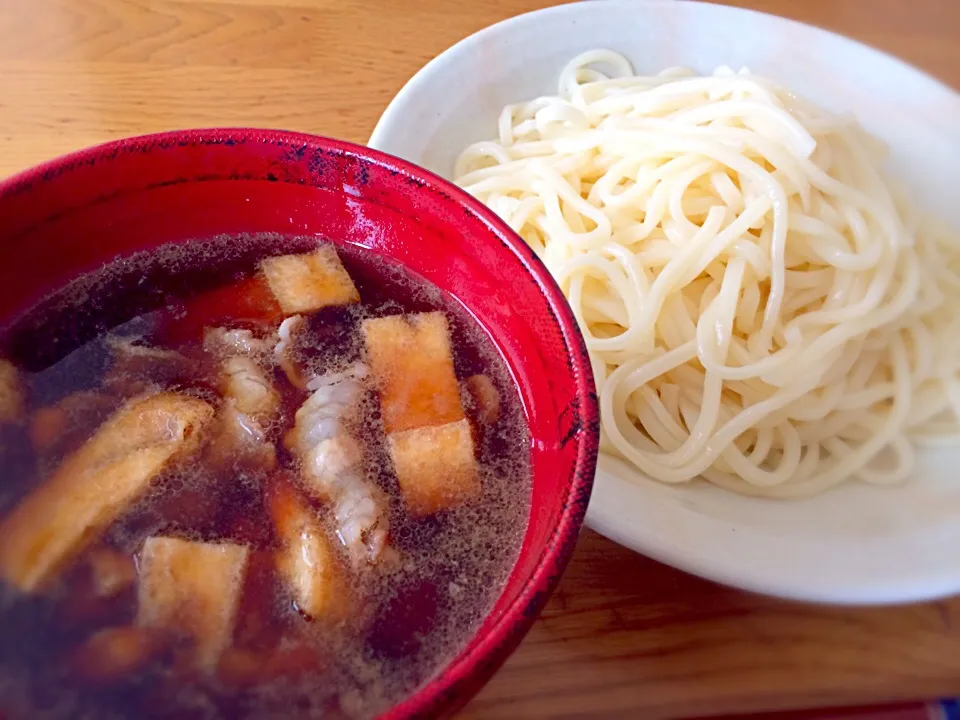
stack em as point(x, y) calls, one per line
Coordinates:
point(417, 615)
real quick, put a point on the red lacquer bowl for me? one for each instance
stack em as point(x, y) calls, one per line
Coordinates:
point(73, 214)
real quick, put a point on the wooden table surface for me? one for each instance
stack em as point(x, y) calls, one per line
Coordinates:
point(624, 636)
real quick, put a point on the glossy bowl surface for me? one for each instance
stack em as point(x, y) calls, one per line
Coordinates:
point(78, 212)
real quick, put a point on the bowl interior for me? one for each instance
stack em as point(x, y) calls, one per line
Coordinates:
point(856, 544)
point(77, 213)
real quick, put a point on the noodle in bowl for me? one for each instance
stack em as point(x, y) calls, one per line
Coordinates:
point(762, 309)
point(769, 298)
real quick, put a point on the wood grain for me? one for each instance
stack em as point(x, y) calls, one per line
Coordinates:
point(77, 72)
point(624, 636)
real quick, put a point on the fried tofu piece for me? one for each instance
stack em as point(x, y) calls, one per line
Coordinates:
point(239, 668)
point(102, 589)
point(430, 440)
point(435, 467)
point(56, 429)
point(11, 393)
point(412, 362)
point(308, 559)
point(245, 383)
point(94, 485)
point(46, 427)
point(309, 282)
point(111, 572)
point(117, 653)
point(484, 399)
point(192, 588)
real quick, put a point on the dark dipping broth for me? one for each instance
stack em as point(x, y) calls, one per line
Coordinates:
point(293, 586)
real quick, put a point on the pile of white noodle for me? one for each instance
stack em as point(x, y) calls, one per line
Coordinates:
point(760, 307)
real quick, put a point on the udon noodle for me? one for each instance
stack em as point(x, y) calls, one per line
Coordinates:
point(762, 309)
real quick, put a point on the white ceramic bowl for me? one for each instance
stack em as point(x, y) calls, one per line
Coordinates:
point(855, 544)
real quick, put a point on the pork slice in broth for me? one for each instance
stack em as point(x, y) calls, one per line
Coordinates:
point(251, 402)
point(287, 335)
point(238, 441)
point(332, 465)
point(236, 342)
point(245, 383)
